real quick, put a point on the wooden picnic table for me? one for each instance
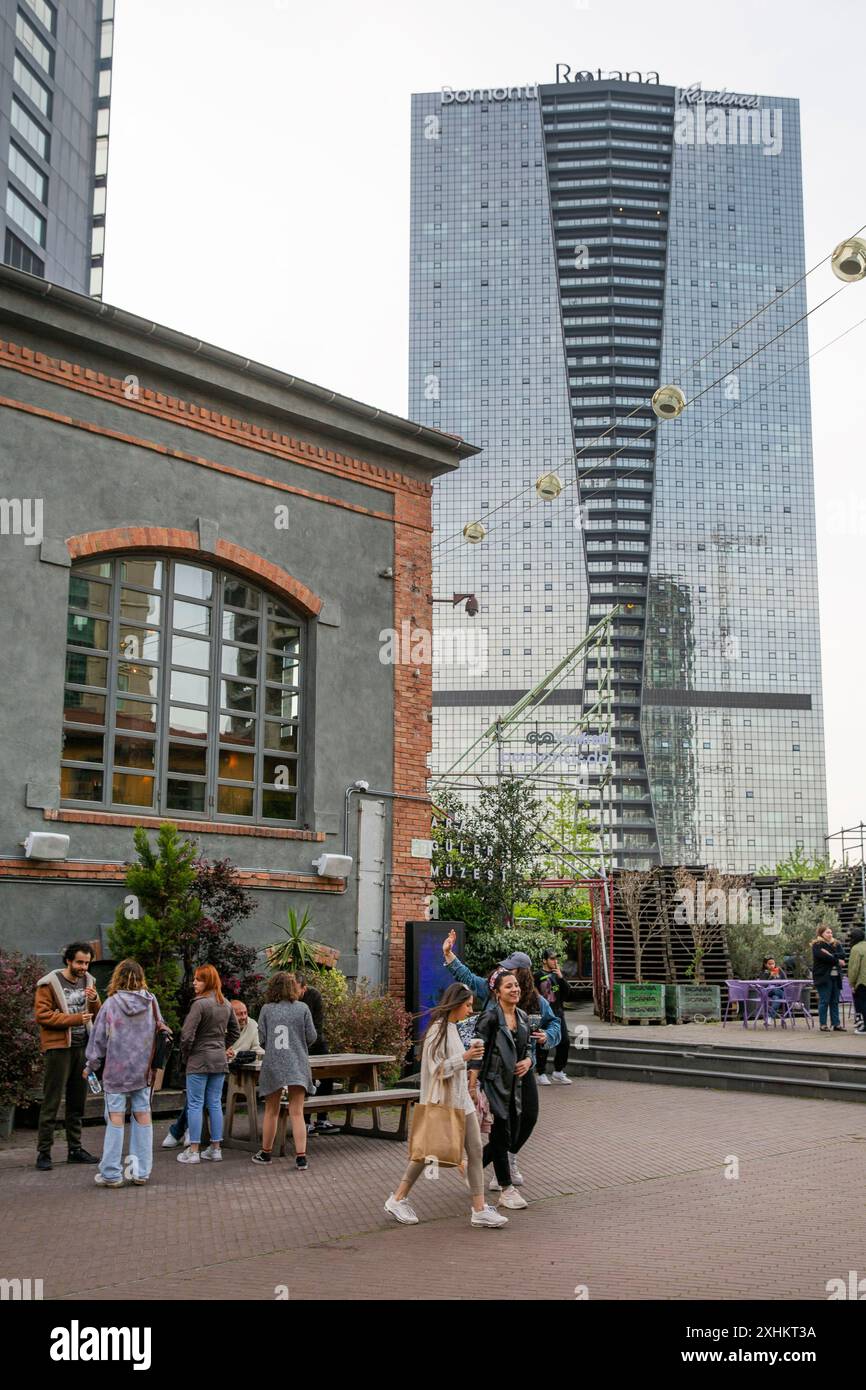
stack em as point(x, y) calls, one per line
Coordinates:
point(359, 1069)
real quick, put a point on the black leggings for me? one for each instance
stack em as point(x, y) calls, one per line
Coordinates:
point(528, 1111)
point(560, 1057)
point(498, 1145)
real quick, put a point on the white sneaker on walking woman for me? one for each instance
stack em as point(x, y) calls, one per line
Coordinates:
point(512, 1199)
point(402, 1211)
point(214, 1155)
point(488, 1217)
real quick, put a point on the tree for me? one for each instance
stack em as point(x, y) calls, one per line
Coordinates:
point(630, 888)
point(708, 925)
point(162, 886)
point(225, 903)
point(800, 924)
point(799, 865)
point(490, 849)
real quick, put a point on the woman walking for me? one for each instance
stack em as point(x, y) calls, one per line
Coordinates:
point(286, 1032)
point(209, 1029)
point(504, 1030)
point(122, 1039)
point(547, 1035)
point(444, 1062)
point(828, 957)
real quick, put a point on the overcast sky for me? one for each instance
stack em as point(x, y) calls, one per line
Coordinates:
point(259, 198)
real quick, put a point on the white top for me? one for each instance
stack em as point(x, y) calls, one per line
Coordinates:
point(443, 1075)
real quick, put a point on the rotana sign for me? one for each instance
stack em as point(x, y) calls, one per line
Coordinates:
point(565, 74)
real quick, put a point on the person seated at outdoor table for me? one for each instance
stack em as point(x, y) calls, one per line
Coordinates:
point(828, 958)
point(248, 1041)
point(772, 971)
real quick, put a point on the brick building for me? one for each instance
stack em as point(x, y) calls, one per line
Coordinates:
point(200, 556)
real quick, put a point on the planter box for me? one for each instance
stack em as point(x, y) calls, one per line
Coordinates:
point(682, 1002)
point(638, 1001)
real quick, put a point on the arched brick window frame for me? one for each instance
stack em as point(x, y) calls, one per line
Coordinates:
point(185, 547)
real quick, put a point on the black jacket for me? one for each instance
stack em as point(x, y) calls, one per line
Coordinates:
point(496, 1070)
point(313, 1000)
point(558, 989)
point(822, 963)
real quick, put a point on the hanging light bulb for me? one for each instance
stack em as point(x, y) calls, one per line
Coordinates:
point(474, 531)
point(668, 402)
point(849, 259)
point(548, 487)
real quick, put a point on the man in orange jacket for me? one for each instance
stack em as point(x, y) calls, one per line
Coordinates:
point(65, 1005)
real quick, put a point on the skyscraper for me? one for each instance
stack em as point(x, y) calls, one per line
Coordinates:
point(55, 91)
point(575, 246)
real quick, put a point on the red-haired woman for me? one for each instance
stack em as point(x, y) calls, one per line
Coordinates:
point(210, 1028)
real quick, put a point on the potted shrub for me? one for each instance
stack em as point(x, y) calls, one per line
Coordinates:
point(637, 999)
point(297, 951)
point(20, 1058)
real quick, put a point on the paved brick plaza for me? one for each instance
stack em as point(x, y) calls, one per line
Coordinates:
point(627, 1190)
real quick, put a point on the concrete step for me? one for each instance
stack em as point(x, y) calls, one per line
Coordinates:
point(840, 1077)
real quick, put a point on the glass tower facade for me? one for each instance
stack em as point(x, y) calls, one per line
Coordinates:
point(574, 246)
point(55, 93)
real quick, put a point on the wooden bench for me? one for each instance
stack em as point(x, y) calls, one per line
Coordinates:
point(349, 1101)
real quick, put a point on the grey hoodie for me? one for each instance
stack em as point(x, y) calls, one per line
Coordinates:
point(123, 1034)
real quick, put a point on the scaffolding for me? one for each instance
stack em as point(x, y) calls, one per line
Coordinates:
point(856, 834)
point(555, 762)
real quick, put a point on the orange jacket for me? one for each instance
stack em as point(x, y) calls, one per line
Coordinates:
point(49, 1007)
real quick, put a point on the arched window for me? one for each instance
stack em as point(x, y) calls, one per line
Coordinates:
point(182, 693)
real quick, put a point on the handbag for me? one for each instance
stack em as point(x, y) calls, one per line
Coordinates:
point(437, 1131)
point(163, 1042)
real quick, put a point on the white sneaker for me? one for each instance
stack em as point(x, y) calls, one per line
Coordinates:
point(544, 1079)
point(488, 1217)
point(189, 1156)
point(516, 1175)
point(107, 1182)
point(214, 1155)
point(494, 1185)
point(169, 1142)
point(512, 1199)
point(401, 1210)
point(561, 1077)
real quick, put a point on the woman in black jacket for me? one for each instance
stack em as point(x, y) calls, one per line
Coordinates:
point(828, 957)
point(504, 1030)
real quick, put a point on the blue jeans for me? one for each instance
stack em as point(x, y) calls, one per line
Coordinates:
point(139, 1160)
point(205, 1089)
point(179, 1128)
point(829, 991)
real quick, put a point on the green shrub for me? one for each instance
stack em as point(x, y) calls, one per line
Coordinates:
point(485, 949)
point(461, 905)
point(365, 1019)
point(19, 1033)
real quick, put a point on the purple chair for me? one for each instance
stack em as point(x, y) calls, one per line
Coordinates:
point(846, 997)
point(802, 1002)
point(741, 992)
point(784, 1003)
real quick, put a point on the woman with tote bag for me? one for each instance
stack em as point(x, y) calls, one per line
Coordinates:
point(443, 1087)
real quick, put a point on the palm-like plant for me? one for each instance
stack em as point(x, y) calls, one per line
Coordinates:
point(295, 952)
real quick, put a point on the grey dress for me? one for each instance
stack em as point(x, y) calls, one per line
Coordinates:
point(286, 1032)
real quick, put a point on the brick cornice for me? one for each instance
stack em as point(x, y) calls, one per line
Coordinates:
point(164, 538)
point(198, 827)
point(192, 416)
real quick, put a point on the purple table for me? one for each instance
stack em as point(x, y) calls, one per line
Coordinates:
point(764, 988)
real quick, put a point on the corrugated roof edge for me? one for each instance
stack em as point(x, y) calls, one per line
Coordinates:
point(421, 434)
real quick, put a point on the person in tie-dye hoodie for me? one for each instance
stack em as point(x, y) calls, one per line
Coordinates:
point(123, 1042)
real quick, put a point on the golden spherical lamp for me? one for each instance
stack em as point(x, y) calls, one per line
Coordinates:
point(849, 259)
point(548, 487)
point(474, 531)
point(668, 402)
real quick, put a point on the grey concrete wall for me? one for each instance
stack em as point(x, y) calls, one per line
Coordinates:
point(90, 483)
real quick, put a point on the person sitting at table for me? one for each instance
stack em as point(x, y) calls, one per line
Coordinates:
point(249, 1034)
point(286, 1032)
point(771, 971)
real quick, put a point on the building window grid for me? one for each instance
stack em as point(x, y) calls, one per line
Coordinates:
point(270, 729)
